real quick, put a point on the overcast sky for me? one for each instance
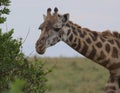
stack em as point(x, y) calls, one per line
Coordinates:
point(26, 15)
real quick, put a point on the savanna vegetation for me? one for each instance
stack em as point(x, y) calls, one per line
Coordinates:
point(75, 75)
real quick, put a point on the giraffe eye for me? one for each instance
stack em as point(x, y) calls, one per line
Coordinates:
point(56, 29)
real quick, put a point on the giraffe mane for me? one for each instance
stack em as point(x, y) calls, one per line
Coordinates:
point(116, 34)
point(105, 34)
point(70, 22)
point(83, 28)
point(109, 34)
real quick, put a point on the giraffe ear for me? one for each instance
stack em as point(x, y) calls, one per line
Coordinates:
point(66, 18)
point(44, 17)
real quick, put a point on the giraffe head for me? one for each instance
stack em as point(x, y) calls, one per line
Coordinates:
point(51, 30)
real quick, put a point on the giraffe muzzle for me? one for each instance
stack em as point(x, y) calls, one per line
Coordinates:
point(40, 48)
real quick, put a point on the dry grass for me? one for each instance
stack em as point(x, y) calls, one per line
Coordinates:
point(75, 75)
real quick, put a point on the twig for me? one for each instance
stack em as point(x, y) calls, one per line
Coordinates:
point(26, 36)
point(30, 53)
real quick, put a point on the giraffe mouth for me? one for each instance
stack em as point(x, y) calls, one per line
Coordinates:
point(40, 50)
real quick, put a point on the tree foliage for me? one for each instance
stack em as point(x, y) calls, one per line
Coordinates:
point(4, 10)
point(14, 67)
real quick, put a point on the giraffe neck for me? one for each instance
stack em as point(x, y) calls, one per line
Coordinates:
point(85, 42)
point(103, 48)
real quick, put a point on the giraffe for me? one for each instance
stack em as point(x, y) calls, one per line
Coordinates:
point(100, 47)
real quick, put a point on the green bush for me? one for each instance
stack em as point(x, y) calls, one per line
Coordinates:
point(14, 65)
point(9, 54)
point(16, 86)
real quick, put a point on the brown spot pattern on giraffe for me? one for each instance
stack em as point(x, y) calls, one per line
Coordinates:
point(71, 37)
point(79, 45)
point(75, 33)
point(68, 32)
point(102, 39)
point(102, 56)
point(98, 44)
point(111, 41)
point(73, 28)
point(74, 45)
point(81, 33)
point(114, 66)
point(107, 48)
point(85, 48)
point(115, 52)
point(92, 53)
point(88, 40)
point(75, 39)
point(93, 36)
point(104, 63)
point(118, 43)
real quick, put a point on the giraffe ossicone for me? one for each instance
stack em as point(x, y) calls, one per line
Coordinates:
point(101, 47)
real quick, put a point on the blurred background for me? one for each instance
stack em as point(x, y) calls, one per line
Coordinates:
point(27, 15)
